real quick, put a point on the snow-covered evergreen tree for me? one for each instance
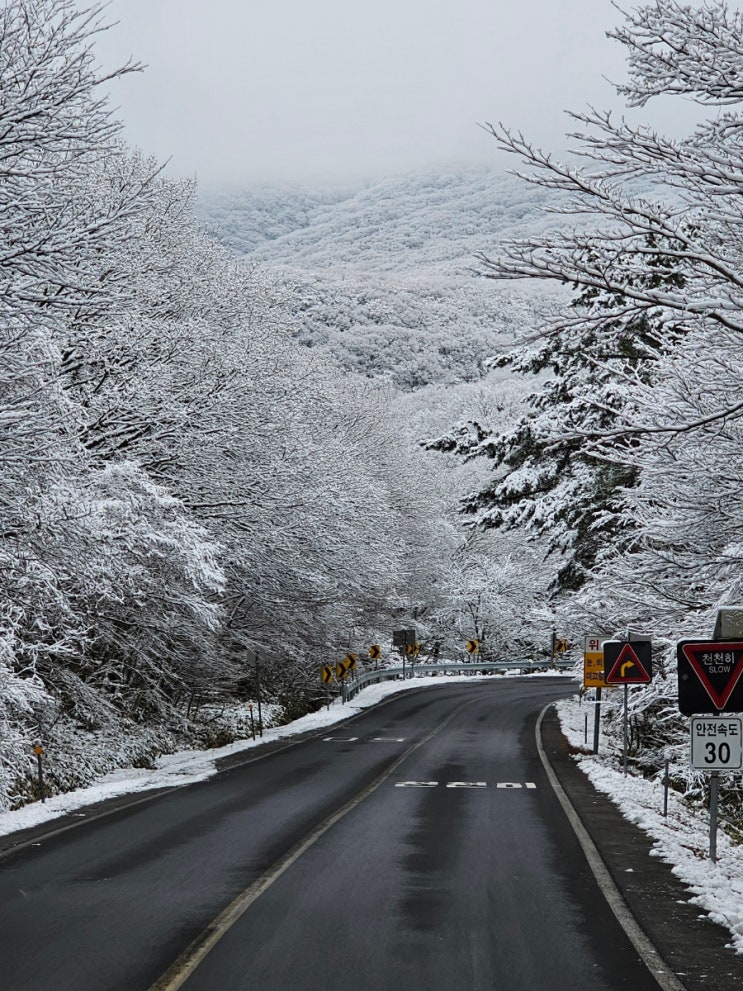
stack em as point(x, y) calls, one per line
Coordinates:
point(548, 478)
point(657, 236)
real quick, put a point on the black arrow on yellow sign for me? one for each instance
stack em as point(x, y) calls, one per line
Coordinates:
point(343, 667)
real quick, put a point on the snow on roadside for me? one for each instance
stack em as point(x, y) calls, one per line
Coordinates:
point(189, 766)
point(681, 839)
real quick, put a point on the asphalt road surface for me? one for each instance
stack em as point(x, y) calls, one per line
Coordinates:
point(419, 846)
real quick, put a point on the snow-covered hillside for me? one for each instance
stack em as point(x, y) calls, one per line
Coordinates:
point(419, 222)
point(384, 278)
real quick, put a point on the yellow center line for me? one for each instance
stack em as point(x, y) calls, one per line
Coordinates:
point(178, 973)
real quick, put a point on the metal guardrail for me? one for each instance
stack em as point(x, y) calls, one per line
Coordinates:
point(412, 671)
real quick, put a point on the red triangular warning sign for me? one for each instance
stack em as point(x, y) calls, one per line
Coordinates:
point(628, 668)
point(718, 665)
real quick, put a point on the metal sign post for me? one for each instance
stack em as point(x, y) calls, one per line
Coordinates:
point(666, 783)
point(714, 794)
point(625, 731)
point(39, 750)
point(597, 721)
point(254, 657)
point(258, 691)
point(402, 639)
point(593, 677)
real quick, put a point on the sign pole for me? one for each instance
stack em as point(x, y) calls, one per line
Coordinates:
point(666, 784)
point(714, 793)
point(625, 733)
point(593, 677)
point(404, 639)
point(625, 743)
point(258, 692)
point(39, 750)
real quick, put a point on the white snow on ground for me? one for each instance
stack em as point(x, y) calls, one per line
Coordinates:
point(189, 766)
point(681, 839)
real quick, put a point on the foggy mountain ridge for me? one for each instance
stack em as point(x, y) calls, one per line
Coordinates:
point(384, 278)
point(426, 220)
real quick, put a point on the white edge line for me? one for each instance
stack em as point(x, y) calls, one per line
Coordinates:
point(648, 953)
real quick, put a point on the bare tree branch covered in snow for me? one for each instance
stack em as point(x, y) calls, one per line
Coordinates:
point(627, 458)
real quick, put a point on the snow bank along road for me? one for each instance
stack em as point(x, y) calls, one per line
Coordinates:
point(418, 845)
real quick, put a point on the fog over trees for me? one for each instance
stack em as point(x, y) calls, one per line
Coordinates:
point(485, 406)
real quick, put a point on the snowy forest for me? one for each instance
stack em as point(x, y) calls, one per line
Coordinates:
point(283, 422)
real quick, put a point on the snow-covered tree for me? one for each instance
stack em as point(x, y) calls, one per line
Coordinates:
point(654, 256)
point(496, 593)
point(650, 238)
point(547, 482)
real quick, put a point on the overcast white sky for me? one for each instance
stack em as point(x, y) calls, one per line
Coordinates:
point(237, 91)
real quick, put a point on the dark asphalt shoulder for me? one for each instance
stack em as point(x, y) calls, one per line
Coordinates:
point(694, 948)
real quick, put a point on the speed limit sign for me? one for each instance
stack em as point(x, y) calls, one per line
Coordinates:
point(716, 743)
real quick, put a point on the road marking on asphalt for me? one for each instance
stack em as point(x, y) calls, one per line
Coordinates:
point(465, 784)
point(340, 739)
point(387, 739)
